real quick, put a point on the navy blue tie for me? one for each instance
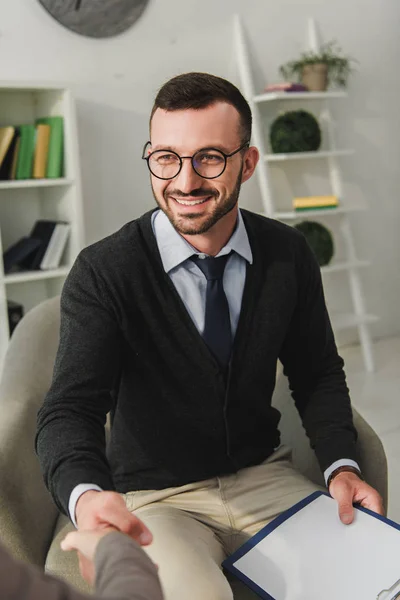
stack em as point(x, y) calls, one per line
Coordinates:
point(217, 327)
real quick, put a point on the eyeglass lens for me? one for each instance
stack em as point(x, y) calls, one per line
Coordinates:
point(206, 163)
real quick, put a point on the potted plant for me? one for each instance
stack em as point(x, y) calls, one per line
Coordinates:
point(316, 70)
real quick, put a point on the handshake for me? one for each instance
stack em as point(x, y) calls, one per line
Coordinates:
point(111, 559)
point(99, 514)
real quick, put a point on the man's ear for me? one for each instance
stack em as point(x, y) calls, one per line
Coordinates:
point(250, 161)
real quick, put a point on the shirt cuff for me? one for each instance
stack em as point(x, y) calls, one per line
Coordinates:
point(343, 462)
point(76, 494)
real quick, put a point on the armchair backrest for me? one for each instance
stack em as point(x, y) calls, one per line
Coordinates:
point(27, 512)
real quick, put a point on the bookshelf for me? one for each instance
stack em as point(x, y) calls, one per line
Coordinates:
point(22, 202)
point(265, 107)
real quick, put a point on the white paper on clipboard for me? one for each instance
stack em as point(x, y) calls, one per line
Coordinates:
point(308, 554)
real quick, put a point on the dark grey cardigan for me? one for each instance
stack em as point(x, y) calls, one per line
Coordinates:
point(128, 345)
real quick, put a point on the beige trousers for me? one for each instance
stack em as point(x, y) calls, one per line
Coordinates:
point(196, 526)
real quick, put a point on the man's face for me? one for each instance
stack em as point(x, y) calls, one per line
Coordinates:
point(192, 203)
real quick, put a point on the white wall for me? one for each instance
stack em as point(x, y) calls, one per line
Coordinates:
point(115, 82)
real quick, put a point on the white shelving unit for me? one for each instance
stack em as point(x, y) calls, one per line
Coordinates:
point(306, 155)
point(264, 108)
point(24, 202)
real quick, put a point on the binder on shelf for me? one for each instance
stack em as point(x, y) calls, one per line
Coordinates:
point(54, 168)
point(42, 230)
point(53, 236)
point(308, 554)
point(52, 256)
point(26, 152)
point(41, 151)
point(23, 250)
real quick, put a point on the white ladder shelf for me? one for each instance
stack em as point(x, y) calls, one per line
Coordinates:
point(359, 318)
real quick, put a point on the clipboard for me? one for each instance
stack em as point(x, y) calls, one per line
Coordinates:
point(308, 554)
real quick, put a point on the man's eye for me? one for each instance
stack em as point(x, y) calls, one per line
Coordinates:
point(209, 158)
point(166, 158)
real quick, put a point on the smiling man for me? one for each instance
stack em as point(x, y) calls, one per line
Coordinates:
point(175, 324)
point(199, 192)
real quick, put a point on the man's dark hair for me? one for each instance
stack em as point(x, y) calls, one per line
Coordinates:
point(199, 90)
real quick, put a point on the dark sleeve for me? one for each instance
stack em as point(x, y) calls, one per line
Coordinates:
point(315, 369)
point(124, 571)
point(70, 439)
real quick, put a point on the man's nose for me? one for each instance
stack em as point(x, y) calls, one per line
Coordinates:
point(187, 179)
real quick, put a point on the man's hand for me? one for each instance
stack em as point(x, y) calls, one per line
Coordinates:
point(97, 510)
point(85, 542)
point(348, 489)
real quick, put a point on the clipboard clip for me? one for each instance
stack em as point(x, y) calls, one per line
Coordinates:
point(391, 593)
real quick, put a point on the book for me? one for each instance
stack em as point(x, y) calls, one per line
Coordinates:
point(19, 252)
point(308, 202)
point(26, 152)
point(285, 86)
point(14, 162)
point(54, 167)
point(41, 151)
point(7, 162)
point(306, 553)
point(322, 208)
point(315, 201)
point(6, 165)
point(42, 230)
point(6, 136)
point(52, 256)
point(53, 236)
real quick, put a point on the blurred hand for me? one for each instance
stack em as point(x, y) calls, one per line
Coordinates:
point(348, 489)
point(99, 510)
point(85, 542)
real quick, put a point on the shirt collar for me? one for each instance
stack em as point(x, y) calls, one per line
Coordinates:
point(174, 249)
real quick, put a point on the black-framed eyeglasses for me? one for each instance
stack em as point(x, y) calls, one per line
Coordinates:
point(209, 163)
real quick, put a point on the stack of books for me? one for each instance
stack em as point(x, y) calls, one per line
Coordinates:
point(32, 151)
point(285, 86)
point(42, 249)
point(315, 203)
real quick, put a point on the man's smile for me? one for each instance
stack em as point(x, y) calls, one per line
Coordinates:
point(193, 202)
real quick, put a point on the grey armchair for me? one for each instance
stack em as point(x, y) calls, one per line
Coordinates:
point(30, 524)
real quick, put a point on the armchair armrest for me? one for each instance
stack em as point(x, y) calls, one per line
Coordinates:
point(371, 454)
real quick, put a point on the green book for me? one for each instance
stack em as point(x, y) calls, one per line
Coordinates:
point(327, 207)
point(55, 157)
point(26, 152)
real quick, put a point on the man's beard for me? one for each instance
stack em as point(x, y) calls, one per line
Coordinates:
point(184, 225)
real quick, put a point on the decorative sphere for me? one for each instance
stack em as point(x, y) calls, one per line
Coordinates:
point(319, 239)
point(295, 131)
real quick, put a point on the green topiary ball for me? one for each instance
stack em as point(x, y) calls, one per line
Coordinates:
point(320, 239)
point(295, 131)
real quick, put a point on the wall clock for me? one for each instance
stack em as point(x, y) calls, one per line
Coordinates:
point(95, 18)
